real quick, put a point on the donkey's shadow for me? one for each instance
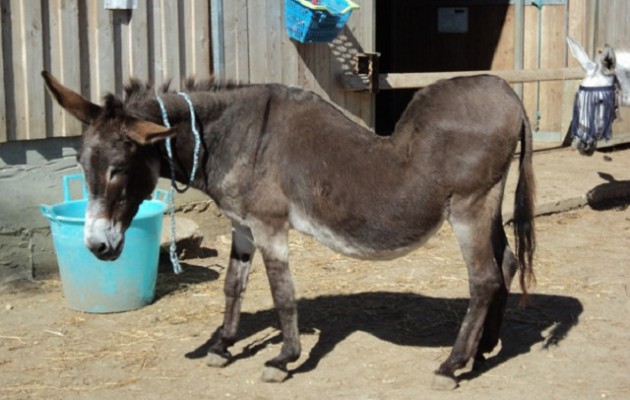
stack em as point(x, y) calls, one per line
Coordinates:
point(409, 319)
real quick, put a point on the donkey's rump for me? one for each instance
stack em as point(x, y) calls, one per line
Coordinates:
point(468, 126)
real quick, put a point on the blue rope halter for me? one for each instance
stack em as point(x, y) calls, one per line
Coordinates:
point(173, 247)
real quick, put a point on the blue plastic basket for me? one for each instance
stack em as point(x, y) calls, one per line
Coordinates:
point(321, 22)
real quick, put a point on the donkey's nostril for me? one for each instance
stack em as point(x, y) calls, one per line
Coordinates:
point(102, 248)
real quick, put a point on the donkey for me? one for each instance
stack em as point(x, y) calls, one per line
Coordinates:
point(605, 87)
point(275, 157)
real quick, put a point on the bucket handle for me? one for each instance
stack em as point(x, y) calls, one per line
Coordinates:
point(48, 212)
point(159, 194)
point(67, 196)
point(162, 195)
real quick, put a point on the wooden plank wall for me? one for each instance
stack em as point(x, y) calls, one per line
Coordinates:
point(592, 23)
point(94, 51)
point(258, 50)
point(544, 48)
point(410, 42)
point(613, 27)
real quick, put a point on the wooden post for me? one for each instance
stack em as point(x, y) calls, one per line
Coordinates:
point(519, 41)
point(218, 49)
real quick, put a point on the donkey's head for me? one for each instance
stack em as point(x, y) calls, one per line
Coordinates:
point(121, 167)
point(595, 106)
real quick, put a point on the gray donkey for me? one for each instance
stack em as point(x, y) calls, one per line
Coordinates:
point(275, 158)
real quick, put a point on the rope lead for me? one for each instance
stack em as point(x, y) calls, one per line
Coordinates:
point(174, 188)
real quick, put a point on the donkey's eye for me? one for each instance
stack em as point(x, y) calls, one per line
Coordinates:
point(113, 171)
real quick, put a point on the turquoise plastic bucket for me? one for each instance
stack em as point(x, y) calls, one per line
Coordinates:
point(96, 286)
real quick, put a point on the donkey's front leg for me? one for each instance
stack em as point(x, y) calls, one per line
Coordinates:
point(275, 252)
point(235, 284)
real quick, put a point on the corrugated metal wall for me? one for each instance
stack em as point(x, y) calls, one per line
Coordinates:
point(94, 51)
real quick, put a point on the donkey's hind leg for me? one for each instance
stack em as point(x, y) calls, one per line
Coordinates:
point(241, 255)
point(472, 222)
point(492, 326)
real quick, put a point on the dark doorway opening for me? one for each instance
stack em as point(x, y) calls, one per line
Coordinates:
point(434, 36)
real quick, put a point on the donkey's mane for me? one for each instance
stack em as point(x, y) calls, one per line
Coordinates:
point(137, 88)
point(137, 92)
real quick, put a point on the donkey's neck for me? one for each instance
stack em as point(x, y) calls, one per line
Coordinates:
point(178, 115)
point(181, 166)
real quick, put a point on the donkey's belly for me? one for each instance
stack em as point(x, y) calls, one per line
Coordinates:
point(389, 246)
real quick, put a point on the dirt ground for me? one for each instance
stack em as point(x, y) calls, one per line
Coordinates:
point(370, 330)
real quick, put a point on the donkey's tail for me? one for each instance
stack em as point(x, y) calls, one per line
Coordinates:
point(524, 234)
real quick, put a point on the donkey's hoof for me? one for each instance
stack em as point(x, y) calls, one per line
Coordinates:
point(443, 382)
point(274, 375)
point(215, 360)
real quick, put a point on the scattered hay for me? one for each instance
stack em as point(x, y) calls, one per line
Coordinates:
point(18, 338)
point(29, 388)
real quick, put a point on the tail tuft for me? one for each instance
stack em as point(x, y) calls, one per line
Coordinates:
point(524, 204)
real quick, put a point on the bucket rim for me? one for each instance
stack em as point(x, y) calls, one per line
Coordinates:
point(49, 211)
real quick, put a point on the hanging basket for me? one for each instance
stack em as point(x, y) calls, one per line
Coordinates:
point(316, 20)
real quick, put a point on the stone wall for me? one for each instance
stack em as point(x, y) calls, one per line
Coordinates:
point(30, 175)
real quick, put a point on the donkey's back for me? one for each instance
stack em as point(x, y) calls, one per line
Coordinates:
point(374, 197)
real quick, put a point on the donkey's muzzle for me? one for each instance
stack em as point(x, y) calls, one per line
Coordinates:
point(105, 250)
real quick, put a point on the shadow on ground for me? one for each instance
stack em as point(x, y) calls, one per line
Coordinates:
point(609, 195)
point(409, 319)
point(168, 282)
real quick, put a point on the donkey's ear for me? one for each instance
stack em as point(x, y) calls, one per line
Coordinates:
point(580, 55)
point(607, 60)
point(145, 132)
point(74, 103)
